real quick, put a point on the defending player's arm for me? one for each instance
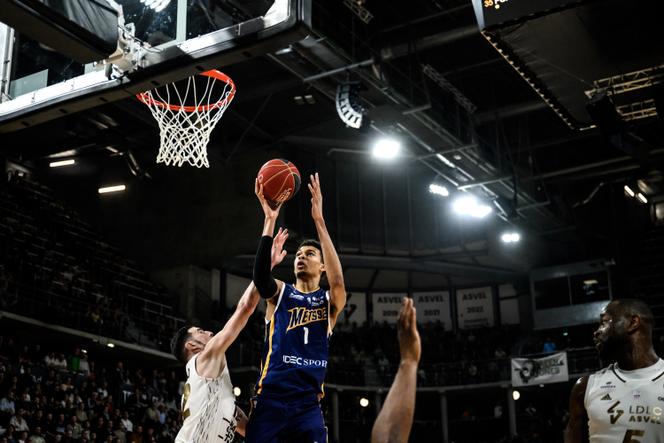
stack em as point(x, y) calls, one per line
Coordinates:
point(396, 418)
point(333, 270)
point(266, 284)
point(210, 360)
point(241, 420)
point(577, 426)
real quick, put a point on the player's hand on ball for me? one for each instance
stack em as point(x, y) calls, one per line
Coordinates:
point(409, 339)
point(278, 251)
point(316, 197)
point(268, 210)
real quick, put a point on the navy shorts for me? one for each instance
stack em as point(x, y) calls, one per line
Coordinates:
point(285, 421)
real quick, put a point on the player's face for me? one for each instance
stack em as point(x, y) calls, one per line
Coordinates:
point(308, 262)
point(611, 338)
point(199, 337)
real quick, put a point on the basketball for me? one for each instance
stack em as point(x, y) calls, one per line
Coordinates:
point(280, 179)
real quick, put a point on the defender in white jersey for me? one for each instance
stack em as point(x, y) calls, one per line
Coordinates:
point(625, 401)
point(208, 404)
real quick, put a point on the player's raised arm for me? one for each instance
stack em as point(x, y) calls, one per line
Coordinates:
point(216, 347)
point(396, 418)
point(266, 284)
point(577, 426)
point(333, 270)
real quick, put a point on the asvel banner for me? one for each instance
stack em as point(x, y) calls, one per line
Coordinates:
point(537, 371)
point(355, 310)
point(433, 307)
point(475, 307)
point(386, 307)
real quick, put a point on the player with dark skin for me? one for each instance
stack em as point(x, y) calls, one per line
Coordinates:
point(396, 417)
point(624, 336)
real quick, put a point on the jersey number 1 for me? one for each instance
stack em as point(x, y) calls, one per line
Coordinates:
point(306, 335)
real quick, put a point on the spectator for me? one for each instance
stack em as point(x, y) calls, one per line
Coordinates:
point(18, 422)
point(7, 405)
point(549, 346)
point(126, 422)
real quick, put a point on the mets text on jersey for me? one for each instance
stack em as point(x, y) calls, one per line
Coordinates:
point(301, 316)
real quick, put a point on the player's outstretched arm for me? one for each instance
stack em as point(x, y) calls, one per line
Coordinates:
point(333, 270)
point(266, 284)
point(396, 418)
point(577, 426)
point(210, 359)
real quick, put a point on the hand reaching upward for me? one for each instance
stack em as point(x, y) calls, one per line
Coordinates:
point(269, 211)
point(316, 197)
point(278, 252)
point(409, 339)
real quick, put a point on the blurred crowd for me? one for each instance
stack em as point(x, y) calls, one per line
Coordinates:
point(48, 396)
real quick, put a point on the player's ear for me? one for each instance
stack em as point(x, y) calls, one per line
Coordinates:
point(634, 323)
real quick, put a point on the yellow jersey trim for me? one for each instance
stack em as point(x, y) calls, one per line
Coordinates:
point(267, 359)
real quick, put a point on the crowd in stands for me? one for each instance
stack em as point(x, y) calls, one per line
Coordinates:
point(48, 397)
point(53, 266)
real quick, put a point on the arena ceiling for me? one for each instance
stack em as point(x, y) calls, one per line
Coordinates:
point(429, 76)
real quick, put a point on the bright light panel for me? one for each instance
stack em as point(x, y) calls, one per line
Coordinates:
point(386, 148)
point(516, 395)
point(237, 391)
point(438, 190)
point(510, 237)
point(642, 198)
point(110, 345)
point(61, 163)
point(157, 5)
point(468, 205)
point(364, 402)
point(629, 191)
point(109, 189)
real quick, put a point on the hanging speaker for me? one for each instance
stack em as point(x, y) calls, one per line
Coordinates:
point(349, 106)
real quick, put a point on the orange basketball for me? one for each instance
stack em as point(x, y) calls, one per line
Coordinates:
point(280, 179)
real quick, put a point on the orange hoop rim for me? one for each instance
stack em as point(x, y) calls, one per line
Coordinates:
point(146, 97)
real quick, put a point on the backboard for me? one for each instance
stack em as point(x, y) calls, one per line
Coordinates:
point(162, 42)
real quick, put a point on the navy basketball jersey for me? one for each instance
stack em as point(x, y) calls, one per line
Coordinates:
point(295, 352)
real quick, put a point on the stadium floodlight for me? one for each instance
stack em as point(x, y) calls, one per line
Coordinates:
point(629, 192)
point(642, 198)
point(364, 402)
point(109, 189)
point(516, 395)
point(438, 190)
point(510, 237)
point(237, 391)
point(156, 5)
point(469, 205)
point(110, 345)
point(386, 148)
point(61, 163)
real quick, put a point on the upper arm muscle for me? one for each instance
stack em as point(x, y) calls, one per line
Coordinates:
point(577, 427)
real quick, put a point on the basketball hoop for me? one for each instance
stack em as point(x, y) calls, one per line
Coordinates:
point(187, 114)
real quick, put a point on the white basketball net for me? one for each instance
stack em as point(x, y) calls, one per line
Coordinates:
point(185, 126)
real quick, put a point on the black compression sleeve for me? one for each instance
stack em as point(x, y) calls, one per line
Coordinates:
point(265, 283)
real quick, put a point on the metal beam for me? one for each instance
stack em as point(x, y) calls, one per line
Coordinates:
point(429, 42)
point(509, 111)
point(482, 272)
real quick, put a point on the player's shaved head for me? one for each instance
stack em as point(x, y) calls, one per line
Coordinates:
point(628, 307)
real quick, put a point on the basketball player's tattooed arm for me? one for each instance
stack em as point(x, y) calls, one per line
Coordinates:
point(396, 418)
point(333, 270)
point(211, 360)
point(577, 426)
point(267, 285)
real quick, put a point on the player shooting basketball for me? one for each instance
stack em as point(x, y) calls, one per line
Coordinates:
point(208, 403)
point(299, 320)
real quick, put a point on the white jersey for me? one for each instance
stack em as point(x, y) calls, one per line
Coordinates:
point(208, 407)
point(626, 406)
